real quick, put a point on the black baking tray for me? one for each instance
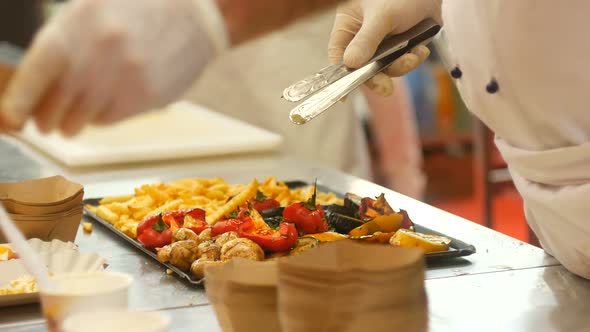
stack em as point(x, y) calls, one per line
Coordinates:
point(457, 247)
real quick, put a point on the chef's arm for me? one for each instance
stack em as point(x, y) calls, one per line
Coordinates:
point(249, 19)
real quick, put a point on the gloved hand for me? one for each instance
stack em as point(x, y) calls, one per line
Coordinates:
point(361, 25)
point(102, 61)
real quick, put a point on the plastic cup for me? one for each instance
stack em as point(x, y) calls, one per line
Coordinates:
point(117, 321)
point(83, 292)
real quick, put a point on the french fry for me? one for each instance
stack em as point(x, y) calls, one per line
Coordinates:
point(115, 199)
point(118, 208)
point(141, 202)
point(156, 194)
point(104, 213)
point(216, 194)
point(233, 204)
point(169, 206)
point(141, 213)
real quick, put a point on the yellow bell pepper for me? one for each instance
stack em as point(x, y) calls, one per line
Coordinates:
point(386, 224)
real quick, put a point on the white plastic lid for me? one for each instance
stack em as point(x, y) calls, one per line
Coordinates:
point(117, 321)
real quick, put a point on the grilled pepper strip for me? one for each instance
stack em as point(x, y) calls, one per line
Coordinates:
point(224, 226)
point(385, 224)
point(267, 238)
point(371, 208)
point(193, 219)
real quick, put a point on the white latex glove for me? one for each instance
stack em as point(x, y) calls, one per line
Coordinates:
point(100, 61)
point(361, 25)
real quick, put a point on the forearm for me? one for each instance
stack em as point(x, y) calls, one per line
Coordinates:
point(248, 19)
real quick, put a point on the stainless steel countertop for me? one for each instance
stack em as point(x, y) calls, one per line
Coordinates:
point(499, 286)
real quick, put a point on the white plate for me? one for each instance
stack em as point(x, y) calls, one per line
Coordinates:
point(181, 130)
point(58, 256)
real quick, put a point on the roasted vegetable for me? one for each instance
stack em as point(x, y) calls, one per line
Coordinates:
point(205, 235)
point(163, 254)
point(243, 248)
point(343, 223)
point(184, 253)
point(225, 238)
point(303, 244)
point(385, 224)
point(341, 209)
point(327, 236)
point(426, 242)
point(261, 203)
point(269, 239)
point(153, 232)
point(377, 237)
point(224, 226)
point(371, 208)
point(276, 212)
point(308, 217)
point(194, 219)
point(407, 223)
point(209, 250)
point(198, 266)
point(183, 234)
point(352, 202)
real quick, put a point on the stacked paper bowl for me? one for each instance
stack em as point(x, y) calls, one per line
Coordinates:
point(48, 208)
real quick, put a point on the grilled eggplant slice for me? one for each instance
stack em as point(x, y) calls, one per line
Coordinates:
point(352, 201)
point(343, 223)
point(271, 213)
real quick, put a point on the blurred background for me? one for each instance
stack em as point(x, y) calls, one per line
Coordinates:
point(423, 142)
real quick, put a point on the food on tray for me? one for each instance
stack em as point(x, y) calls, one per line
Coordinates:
point(194, 223)
point(215, 196)
point(426, 242)
point(23, 285)
point(87, 226)
point(7, 254)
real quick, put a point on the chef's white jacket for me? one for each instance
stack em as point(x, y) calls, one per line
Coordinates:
point(524, 68)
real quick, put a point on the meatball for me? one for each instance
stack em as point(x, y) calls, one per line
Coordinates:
point(209, 250)
point(243, 248)
point(183, 234)
point(225, 238)
point(184, 253)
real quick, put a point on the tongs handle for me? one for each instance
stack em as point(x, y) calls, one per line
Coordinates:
point(325, 87)
point(391, 44)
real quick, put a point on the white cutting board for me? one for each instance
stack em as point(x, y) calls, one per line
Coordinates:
point(181, 130)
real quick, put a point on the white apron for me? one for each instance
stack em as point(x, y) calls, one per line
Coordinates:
point(248, 81)
point(537, 52)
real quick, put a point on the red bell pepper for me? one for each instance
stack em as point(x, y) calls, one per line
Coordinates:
point(193, 219)
point(261, 202)
point(267, 238)
point(407, 222)
point(224, 226)
point(147, 222)
point(309, 217)
point(154, 232)
point(371, 208)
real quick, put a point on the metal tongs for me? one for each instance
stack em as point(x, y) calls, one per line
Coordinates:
point(326, 87)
